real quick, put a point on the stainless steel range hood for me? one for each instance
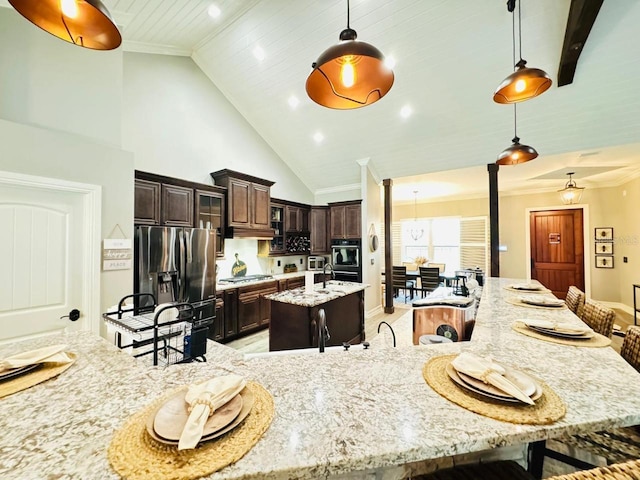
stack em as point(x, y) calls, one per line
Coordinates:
point(252, 233)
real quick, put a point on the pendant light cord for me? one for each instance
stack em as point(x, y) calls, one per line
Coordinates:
point(348, 14)
point(520, 27)
point(513, 40)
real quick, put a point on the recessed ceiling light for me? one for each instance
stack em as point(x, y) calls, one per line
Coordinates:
point(293, 101)
point(318, 137)
point(258, 52)
point(214, 11)
point(406, 111)
point(389, 62)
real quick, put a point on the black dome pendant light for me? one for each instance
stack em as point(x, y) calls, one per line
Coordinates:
point(516, 153)
point(525, 83)
point(349, 75)
point(86, 23)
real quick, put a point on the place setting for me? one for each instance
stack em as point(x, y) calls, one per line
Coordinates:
point(527, 288)
point(537, 301)
point(493, 389)
point(563, 333)
point(193, 431)
point(26, 369)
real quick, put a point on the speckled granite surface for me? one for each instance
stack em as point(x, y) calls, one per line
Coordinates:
point(336, 413)
point(321, 294)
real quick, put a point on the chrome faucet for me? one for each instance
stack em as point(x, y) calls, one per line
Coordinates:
point(323, 331)
point(324, 274)
point(392, 332)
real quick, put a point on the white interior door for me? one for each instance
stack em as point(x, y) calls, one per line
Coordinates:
point(43, 250)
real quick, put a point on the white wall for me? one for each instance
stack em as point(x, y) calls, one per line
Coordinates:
point(35, 151)
point(179, 124)
point(50, 83)
point(372, 214)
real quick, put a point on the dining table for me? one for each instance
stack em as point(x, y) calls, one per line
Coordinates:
point(357, 413)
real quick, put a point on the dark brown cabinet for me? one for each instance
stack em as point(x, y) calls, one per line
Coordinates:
point(297, 219)
point(319, 227)
point(177, 206)
point(230, 313)
point(253, 309)
point(346, 220)
point(277, 245)
point(147, 202)
point(295, 282)
point(209, 208)
point(217, 328)
point(248, 204)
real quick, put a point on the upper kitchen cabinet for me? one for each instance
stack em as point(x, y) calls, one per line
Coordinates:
point(248, 204)
point(210, 214)
point(297, 219)
point(160, 203)
point(320, 241)
point(346, 218)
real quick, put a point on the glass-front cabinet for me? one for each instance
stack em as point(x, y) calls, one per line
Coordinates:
point(277, 223)
point(210, 214)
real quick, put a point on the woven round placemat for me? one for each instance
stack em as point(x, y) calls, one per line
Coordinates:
point(136, 456)
point(598, 341)
point(547, 409)
point(39, 375)
point(515, 290)
point(519, 303)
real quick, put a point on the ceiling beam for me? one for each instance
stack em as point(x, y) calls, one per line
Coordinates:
point(582, 16)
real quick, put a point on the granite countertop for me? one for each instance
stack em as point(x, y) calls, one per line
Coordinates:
point(349, 414)
point(220, 287)
point(321, 294)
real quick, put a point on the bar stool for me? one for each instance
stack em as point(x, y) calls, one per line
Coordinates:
point(575, 300)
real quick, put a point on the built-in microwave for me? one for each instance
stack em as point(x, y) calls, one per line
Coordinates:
point(345, 254)
point(316, 263)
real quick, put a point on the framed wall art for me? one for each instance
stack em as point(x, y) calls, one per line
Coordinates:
point(604, 248)
point(604, 262)
point(604, 234)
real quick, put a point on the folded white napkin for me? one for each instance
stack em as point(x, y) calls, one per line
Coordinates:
point(542, 300)
point(204, 399)
point(527, 286)
point(559, 326)
point(489, 372)
point(53, 353)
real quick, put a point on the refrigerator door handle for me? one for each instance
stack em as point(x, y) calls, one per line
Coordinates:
point(183, 265)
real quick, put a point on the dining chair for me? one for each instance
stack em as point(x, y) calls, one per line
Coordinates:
point(429, 279)
point(510, 470)
point(598, 317)
point(575, 300)
point(400, 282)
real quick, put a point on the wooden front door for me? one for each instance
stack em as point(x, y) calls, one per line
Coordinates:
point(557, 249)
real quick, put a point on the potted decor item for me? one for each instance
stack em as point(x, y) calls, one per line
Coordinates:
point(420, 261)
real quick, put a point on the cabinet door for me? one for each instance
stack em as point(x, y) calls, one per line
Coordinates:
point(216, 329)
point(261, 198)
point(337, 222)
point(319, 232)
point(177, 206)
point(248, 311)
point(147, 203)
point(291, 223)
point(295, 282)
point(209, 213)
point(352, 222)
point(239, 202)
point(265, 304)
point(303, 219)
point(277, 245)
point(231, 312)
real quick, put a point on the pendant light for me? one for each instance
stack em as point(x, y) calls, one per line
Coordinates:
point(416, 232)
point(571, 193)
point(349, 75)
point(516, 153)
point(86, 23)
point(525, 83)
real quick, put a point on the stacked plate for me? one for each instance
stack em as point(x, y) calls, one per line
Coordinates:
point(527, 385)
point(16, 372)
point(560, 330)
point(542, 301)
point(166, 423)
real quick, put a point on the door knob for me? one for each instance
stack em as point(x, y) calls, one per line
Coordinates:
point(73, 315)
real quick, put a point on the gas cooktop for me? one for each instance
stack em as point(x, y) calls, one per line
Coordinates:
point(245, 279)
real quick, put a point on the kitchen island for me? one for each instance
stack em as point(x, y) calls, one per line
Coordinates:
point(294, 315)
point(352, 414)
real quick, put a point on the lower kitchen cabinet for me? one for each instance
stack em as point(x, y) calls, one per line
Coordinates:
point(230, 313)
point(217, 329)
point(245, 309)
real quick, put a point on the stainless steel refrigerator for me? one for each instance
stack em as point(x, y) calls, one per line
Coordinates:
point(177, 264)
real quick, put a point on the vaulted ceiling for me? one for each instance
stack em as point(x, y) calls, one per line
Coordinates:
point(450, 56)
